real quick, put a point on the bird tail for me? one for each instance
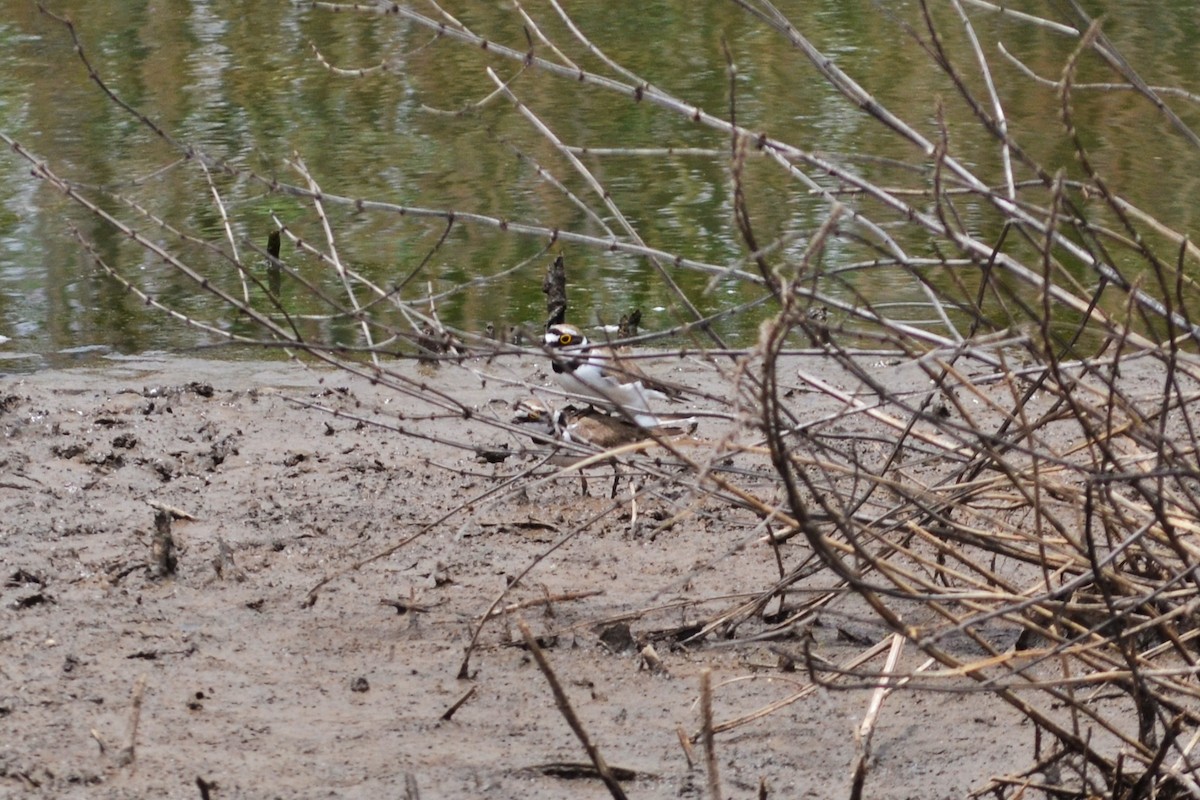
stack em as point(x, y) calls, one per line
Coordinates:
point(667, 425)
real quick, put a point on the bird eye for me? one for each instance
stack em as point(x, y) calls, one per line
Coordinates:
point(565, 338)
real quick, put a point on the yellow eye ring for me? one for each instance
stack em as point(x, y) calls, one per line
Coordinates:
point(565, 338)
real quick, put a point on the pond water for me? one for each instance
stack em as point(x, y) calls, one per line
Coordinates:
point(249, 86)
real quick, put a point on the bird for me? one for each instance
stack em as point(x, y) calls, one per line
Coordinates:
point(600, 376)
point(588, 427)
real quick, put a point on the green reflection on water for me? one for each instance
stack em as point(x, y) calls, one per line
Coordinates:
point(245, 86)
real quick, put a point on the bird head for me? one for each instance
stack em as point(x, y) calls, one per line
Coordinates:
point(564, 336)
point(540, 422)
point(568, 338)
point(530, 411)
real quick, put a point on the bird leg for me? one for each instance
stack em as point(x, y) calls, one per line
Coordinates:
point(616, 480)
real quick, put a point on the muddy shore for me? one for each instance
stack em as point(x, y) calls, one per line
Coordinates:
point(121, 679)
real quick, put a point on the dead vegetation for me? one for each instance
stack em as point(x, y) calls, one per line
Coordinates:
point(1023, 525)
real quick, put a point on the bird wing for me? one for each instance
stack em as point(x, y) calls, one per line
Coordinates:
point(624, 368)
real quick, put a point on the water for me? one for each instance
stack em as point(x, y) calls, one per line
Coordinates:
point(245, 86)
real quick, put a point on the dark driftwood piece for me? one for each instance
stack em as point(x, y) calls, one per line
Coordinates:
point(627, 328)
point(274, 273)
point(554, 286)
point(163, 557)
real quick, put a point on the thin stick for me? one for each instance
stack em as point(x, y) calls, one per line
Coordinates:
point(545, 601)
point(465, 667)
point(128, 752)
point(411, 790)
point(710, 751)
point(685, 744)
point(459, 703)
point(866, 730)
point(564, 707)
